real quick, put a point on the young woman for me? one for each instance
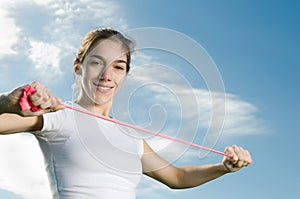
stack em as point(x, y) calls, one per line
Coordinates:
point(91, 158)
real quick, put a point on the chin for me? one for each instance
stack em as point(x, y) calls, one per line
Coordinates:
point(102, 101)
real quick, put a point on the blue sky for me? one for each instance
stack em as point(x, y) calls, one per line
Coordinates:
point(253, 44)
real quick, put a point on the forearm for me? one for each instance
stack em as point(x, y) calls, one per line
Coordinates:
point(192, 176)
point(14, 123)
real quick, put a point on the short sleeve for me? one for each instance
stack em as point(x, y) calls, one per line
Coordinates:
point(52, 123)
point(140, 147)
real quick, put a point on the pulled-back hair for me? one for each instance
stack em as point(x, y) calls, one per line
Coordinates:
point(92, 38)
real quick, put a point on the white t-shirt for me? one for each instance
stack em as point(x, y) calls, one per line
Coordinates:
point(88, 158)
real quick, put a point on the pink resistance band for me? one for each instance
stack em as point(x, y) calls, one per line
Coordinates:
point(26, 104)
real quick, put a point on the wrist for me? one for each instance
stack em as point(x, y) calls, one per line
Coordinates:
point(223, 168)
point(3, 103)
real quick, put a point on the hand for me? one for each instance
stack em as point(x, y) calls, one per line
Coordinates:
point(236, 158)
point(42, 98)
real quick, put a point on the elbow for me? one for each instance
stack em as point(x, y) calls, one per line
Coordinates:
point(177, 181)
point(174, 187)
point(177, 186)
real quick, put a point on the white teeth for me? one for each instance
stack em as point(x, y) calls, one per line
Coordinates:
point(105, 88)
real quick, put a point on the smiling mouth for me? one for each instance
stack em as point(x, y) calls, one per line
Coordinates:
point(103, 88)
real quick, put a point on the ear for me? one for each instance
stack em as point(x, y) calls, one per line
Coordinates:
point(77, 68)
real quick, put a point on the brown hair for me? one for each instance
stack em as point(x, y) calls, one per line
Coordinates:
point(92, 38)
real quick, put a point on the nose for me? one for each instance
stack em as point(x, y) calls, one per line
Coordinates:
point(106, 74)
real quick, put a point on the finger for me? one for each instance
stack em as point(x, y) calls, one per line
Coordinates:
point(248, 158)
point(42, 97)
point(239, 151)
point(231, 155)
point(44, 104)
point(245, 163)
point(243, 156)
point(60, 107)
point(39, 88)
point(37, 95)
point(56, 104)
point(36, 84)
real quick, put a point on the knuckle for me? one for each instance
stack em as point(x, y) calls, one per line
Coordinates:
point(39, 94)
point(47, 90)
point(34, 83)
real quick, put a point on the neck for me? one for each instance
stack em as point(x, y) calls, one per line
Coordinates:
point(101, 109)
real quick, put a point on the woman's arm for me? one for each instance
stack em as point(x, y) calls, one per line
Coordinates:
point(192, 176)
point(10, 120)
point(14, 120)
point(13, 123)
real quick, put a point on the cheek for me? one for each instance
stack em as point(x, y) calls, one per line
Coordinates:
point(120, 81)
point(86, 81)
point(88, 75)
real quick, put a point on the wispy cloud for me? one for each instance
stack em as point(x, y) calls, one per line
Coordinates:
point(188, 117)
point(182, 111)
point(186, 103)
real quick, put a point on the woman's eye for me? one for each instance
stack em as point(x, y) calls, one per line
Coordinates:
point(120, 67)
point(95, 63)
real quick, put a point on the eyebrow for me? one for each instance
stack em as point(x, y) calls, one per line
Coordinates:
point(98, 57)
point(102, 59)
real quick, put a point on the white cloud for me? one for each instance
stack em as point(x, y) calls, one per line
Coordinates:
point(43, 2)
point(9, 32)
point(45, 58)
point(241, 118)
point(22, 168)
point(56, 29)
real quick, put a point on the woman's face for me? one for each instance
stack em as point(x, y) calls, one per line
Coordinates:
point(103, 72)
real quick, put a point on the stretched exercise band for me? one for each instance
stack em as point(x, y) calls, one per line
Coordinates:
point(26, 104)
